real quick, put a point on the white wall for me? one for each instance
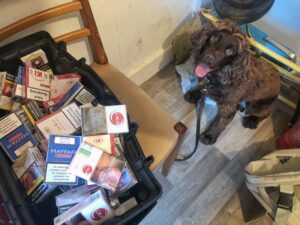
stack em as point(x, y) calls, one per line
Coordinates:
point(137, 34)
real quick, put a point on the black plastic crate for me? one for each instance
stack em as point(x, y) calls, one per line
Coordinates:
point(147, 191)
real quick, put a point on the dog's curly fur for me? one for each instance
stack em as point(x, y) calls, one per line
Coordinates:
point(240, 77)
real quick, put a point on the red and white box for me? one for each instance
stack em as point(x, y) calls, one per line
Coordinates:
point(65, 121)
point(62, 83)
point(104, 120)
point(37, 83)
point(104, 142)
point(116, 119)
point(93, 210)
point(52, 102)
point(93, 164)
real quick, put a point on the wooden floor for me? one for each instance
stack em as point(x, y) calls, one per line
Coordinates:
point(209, 188)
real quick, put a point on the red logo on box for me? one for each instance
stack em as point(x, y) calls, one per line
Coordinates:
point(39, 75)
point(87, 169)
point(99, 214)
point(116, 118)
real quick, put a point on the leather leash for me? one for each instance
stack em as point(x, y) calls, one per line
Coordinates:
point(199, 109)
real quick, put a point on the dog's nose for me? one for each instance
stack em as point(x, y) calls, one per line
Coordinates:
point(210, 58)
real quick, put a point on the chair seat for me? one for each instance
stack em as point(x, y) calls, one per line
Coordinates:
point(156, 133)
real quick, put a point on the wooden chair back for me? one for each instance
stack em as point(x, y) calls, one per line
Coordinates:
point(89, 30)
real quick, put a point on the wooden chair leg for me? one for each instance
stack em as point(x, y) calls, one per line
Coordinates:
point(181, 129)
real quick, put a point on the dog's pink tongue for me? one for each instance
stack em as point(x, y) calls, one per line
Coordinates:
point(201, 70)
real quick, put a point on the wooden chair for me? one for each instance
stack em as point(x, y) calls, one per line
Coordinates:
point(158, 134)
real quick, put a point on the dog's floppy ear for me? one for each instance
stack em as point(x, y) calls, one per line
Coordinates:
point(239, 68)
point(199, 38)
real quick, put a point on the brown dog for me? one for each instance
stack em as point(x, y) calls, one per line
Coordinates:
point(222, 56)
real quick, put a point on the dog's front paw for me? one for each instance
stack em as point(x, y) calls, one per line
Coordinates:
point(207, 138)
point(250, 122)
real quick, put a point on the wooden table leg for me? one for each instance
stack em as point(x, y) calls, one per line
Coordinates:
point(181, 129)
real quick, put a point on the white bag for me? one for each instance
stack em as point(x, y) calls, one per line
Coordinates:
point(275, 182)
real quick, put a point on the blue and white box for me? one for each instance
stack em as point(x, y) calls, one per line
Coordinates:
point(15, 138)
point(61, 150)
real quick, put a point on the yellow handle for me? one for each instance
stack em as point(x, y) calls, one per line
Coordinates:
point(207, 14)
point(274, 54)
point(287, 102)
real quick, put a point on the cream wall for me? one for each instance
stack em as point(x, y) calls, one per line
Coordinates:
point(137, 34)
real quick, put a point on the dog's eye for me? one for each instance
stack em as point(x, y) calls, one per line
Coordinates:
point(216, 38)
point(229, 51)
